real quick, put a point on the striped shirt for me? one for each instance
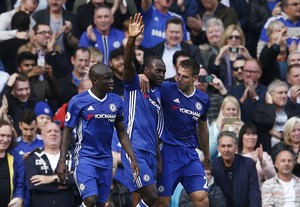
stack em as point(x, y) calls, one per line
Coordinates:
point(273, 192)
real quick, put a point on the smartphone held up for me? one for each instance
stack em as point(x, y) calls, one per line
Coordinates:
point(205, 79)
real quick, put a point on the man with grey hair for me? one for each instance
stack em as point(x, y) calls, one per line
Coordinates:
point(277, 96)
point(231, 169)
point(293, 58)
point(270, 117)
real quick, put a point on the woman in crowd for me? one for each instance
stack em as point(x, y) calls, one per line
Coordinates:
point(291, 142)
point(232, 46)
point(247, 146)
point(11, 169)
point(229, 108)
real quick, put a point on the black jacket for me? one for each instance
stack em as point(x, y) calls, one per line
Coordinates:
point(192, 50)
point(15, 107)
point(268, 59)
point(47, 195)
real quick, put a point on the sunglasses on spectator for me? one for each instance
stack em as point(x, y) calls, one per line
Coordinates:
point(235, 37)
point(237, 68)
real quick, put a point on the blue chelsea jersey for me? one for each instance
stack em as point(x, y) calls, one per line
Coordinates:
point(141, 115)
point(94, 120)
point(155, 26)
point(181, 115)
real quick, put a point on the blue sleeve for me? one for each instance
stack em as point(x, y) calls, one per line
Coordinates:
point(263, 33)
point(192, 8)
point(19, 178)
point(120, 107)
point(73, 113)
point(84, 41)
point(147, 13)
point(133, 84)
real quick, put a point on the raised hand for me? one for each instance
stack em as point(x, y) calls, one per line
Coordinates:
point(260, 153)
point(67, 27)
point(195, 23)
point(136, 25)
point(90, 33)
point(51, 42)
point(4, 107)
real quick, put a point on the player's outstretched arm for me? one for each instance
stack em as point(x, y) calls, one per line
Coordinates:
point(203, 138)
point(135, 28)
point(62, 170)
point(125, 142)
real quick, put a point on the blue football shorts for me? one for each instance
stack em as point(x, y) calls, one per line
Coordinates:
point(180, 164)
point(148, 168)
point(91, 180)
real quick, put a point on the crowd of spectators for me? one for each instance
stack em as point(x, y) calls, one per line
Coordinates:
point(249, 55)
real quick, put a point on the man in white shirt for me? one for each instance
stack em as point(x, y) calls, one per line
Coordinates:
point(281, 190)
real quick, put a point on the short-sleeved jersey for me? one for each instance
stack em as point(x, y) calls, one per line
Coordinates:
point(141, 115)
point(24, 147)
point(155, 26)
point(181, 115)
point(94, 120)
point(114, 41)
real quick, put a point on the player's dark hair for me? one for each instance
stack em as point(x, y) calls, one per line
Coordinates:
point(177, 54)
point(148, 61)
point(191, 65)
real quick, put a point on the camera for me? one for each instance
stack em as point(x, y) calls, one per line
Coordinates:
point(205, 79)
point(234, 49)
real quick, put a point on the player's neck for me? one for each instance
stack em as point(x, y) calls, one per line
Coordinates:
point(98, 93)
point(188, 91)
point(26, 140)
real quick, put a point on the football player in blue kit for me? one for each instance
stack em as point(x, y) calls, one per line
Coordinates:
point(185, 127)
point(141, 119)
point(95, 113)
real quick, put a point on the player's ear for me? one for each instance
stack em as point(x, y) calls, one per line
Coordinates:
point(146, 70)
point(93, 79)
